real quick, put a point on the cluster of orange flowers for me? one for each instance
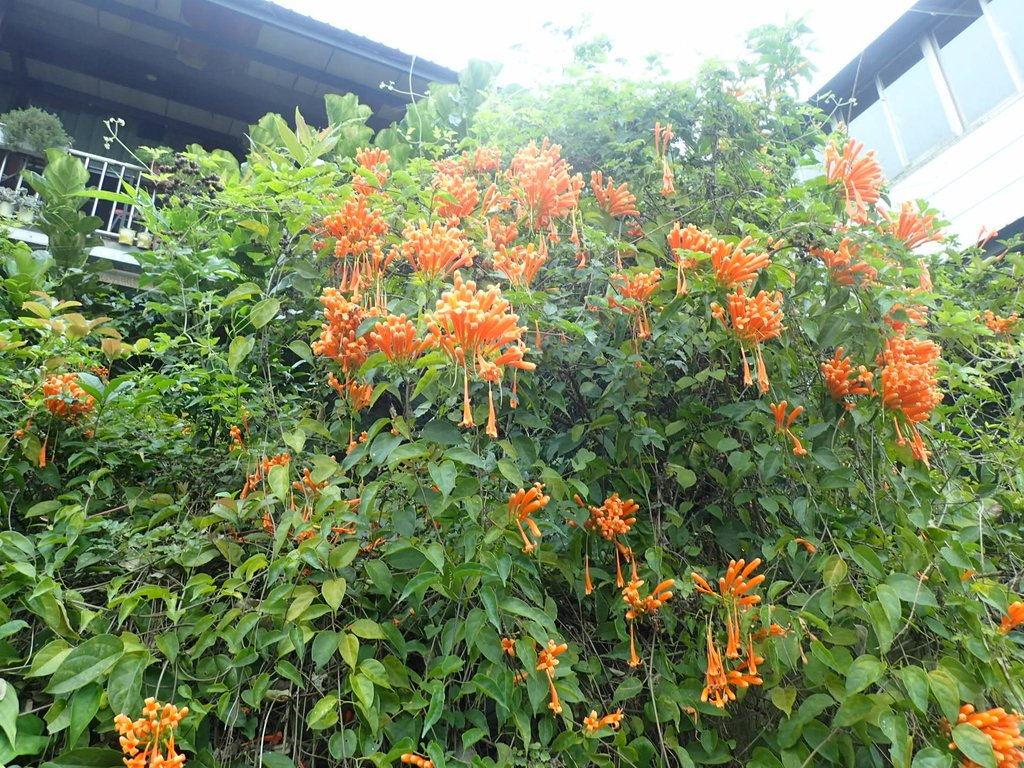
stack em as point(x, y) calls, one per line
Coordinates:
point(752, 320)
point(732, 265)
point(735, 596)
point(521, 505)
point(457, 196)
point(520, 263)
point(689, 239)
point(860, 176)
point(413, 759)
point(237, 442)
point(638, 607)
point(149, 741)
point(612, 519)
point(541, 185)
point(637, 290)
point(615, 201)
point(547, 660)
point(1014, 617)
point(592, 723)
point(909, 386)
point(662, 138)
point(374, 160)
point(844, 265)
point(916, 315)
point(843, 381)
point(998, 324)
point(1002, 728)
point(436, 251)
point(339, 335)
point(478, 329)
point(911, 227)
point(261, 471)
point(65, 397)
point(395, 337)
point(784, 424)
point(357, 228)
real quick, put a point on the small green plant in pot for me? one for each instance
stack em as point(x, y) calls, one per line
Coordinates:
point(33, 130)
point(8, 200)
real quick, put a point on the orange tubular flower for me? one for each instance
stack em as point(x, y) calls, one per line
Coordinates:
point(262, 470)
point(806, 545)
point(615, 201)
point(732, 265)
point(637, 289)
point(508, 645)
point(237, 443)
point(520, 264)
point(338, 336)
point(998, 324)
point(499, 234)
point(464, 191)
point(717, 688)
point(662, 138)
point(860, 176)
point(149, 741)
point(593, 724)
point(436, 251)
point(916, 315)
point(65, 397)
point(752, 320)
point(477, 328)
point(395, 337)
point(411, 758)
point(844, 266)
point(547, 660)
point(783, 424)
point(1002, 729)
point(484, 160)
point(688, 239)
point(1014, 617)
point(356, 228)
point(541, 185)
point(911, 227)
point(843, 381)
point(521, 505)
point(612, 519)
point(909, 385)
point(376, 161)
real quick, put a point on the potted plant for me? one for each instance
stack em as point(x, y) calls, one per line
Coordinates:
point(28, 206)
point(8, 199)
point(33, 130)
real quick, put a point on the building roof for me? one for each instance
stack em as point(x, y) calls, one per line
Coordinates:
point(207, 66)
point(857, 77)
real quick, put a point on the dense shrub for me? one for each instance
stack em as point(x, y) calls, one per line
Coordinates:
point(451, 450)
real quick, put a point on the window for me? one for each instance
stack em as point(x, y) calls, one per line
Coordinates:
point(871, 128)
point(914, 102)
point(1009, 18)
point(972, 64)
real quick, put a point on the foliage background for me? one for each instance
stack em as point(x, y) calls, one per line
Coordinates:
point(131, 566)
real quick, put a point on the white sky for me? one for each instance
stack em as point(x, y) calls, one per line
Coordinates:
point(686, 32)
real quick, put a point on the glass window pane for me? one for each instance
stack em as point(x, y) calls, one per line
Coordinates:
point(871, 128)
point(975, 71)
point(1009, 18)
point(914, 102)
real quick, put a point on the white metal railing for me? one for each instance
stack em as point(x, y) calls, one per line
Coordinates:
point(105, 173)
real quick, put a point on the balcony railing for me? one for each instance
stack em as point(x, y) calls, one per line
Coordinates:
point(104, 173)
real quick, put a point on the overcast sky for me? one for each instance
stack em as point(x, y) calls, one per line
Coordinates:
point(685, 31)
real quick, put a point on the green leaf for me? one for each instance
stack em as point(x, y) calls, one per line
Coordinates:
point(239, 349)
point(915, 680)
point(685, 476)
point(324, 714)
point(86, 664)
point(302, 598)
point(92, 757)
point(8, 710)
point(85, 703)
point(975, 745)
point(511, 472)
point(366, 629)
point(334, 592)
point(124, 685)
point(946, 692)
point(443, 475)
point(348, 645)
point(783, 699)
point(864, 672)
point(911, 590)
point(835, 571)
point(930, 757)
point(264, 311)
point(853, 709)
point(435, 710)
point(243, 291)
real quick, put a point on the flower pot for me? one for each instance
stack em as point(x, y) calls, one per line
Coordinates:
point(7, 210)
point(144, 240)
point(126, 236)
point(26, 215)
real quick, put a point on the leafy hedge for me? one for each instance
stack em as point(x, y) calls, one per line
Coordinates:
point(433, 451)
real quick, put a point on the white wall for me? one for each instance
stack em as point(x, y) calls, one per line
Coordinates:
point(976, 180)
